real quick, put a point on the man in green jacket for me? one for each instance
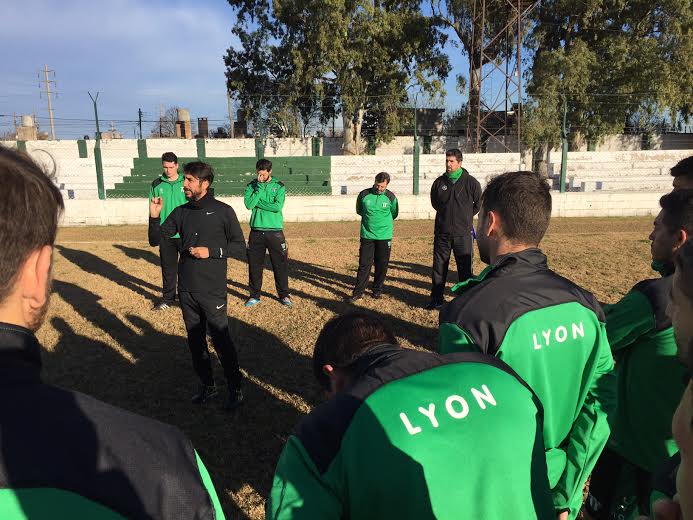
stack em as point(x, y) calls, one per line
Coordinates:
point(169, 187)
point(650, 377)
point(378, 208)
point(65, 454)
point(544, 326)
point(411, 435)
point(265, 198)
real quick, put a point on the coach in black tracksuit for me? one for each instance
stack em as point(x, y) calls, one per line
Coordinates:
point(208, 230)
point(455, 196)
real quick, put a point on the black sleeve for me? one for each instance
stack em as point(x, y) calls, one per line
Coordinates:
point(476, 197)
point(154, 231)
point(234, 235)
point(167, 229)
point(434, 196)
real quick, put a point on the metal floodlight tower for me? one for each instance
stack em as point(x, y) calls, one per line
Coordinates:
point(498, 119)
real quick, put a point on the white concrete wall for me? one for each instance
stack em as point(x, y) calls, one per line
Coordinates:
point(230, 147)
point(357, 172)
point(341, 208)
point(181, 147)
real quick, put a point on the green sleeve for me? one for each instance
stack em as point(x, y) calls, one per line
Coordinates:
point(277, 205)
point(394, 208)
point(151, 192)
point(628, 319)
point(298, 491)
point(209, 486)
point(589, 434)
point(452, 338)
point(251, 196)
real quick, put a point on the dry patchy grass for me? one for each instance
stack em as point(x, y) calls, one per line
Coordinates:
point(102, 338)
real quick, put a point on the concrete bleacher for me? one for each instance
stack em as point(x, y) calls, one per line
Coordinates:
point(300, 175)
point(351, 174)
point(617, 171)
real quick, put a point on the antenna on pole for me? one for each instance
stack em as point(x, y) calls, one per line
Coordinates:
point(49, 93)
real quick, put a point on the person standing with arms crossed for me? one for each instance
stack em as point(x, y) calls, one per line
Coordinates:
point(208, 229)
point(169, 186)
point(455, 196)
point(378, 208)
point(265, 198)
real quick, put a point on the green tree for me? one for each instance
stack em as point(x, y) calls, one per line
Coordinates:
point(609, 60)
point(355, 58)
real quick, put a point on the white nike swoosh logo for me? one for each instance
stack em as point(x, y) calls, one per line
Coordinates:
point(210, 213)
point(220, 306)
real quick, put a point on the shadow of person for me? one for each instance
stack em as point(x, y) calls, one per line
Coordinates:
point(91, 263)
point(136, 253)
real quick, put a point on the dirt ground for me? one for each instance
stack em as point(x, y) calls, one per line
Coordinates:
point(102, 337)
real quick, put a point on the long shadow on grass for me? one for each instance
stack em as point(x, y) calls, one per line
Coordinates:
point(93, 264)
point(136, 253)
point(152, 375)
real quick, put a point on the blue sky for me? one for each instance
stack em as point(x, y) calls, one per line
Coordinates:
point(136, 54)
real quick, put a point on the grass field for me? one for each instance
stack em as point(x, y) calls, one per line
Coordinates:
point(102, 338)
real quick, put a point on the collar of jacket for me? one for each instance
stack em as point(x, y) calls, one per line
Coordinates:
point(663, 268)
point(371, 357)
point(455, 175)
point(523, 262)
point(203, 202)
point(179, 180)
point(20, 354)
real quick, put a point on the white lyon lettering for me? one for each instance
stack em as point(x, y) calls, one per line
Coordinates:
point(560, 335)
point(456, 406)
point(430, 413)
point(454, 413)
point(485, 396)
point(578, 329)
point(547, 336)
point(413, 430)
point(537, 346)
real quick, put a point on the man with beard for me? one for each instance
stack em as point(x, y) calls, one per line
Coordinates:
point(209, 230)
point(64, 454)
point(650, 379)
point(548, 329)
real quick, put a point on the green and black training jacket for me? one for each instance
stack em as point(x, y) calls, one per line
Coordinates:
point(172, 194)
point(650, 377)
point(418, 436)
point(378, 211)
point(66, 455)
point(552, 333)
point(265, 200)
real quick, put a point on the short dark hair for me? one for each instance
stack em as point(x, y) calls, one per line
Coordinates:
point(683, 167)
point(200, 170)
point(344, 338)
point(454, 152)
point(263, 164)
point(678, 210)
point(30, 206)
point(383, 177)
point(169, 157)
point(683, 260)
point(523, 201)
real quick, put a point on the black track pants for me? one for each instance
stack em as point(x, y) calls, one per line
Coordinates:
point(443, 245)
point(370, 250)
point(275, 243)
point(169, 249)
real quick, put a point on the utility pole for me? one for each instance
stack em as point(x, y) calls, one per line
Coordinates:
point(48, 93)
point(564, 152)
point(230, 108)
point(161, 119)
point(139, 116)
point(97, 151)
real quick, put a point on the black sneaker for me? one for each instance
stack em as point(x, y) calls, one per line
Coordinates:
point(352, 299)
point(434, 306)
point(377, 295)
point(162, 306)
point(234, 400)
point(204, 394)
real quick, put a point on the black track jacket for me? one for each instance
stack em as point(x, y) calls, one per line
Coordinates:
point(455, 204)
point(64, 454)
point(208, 223)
